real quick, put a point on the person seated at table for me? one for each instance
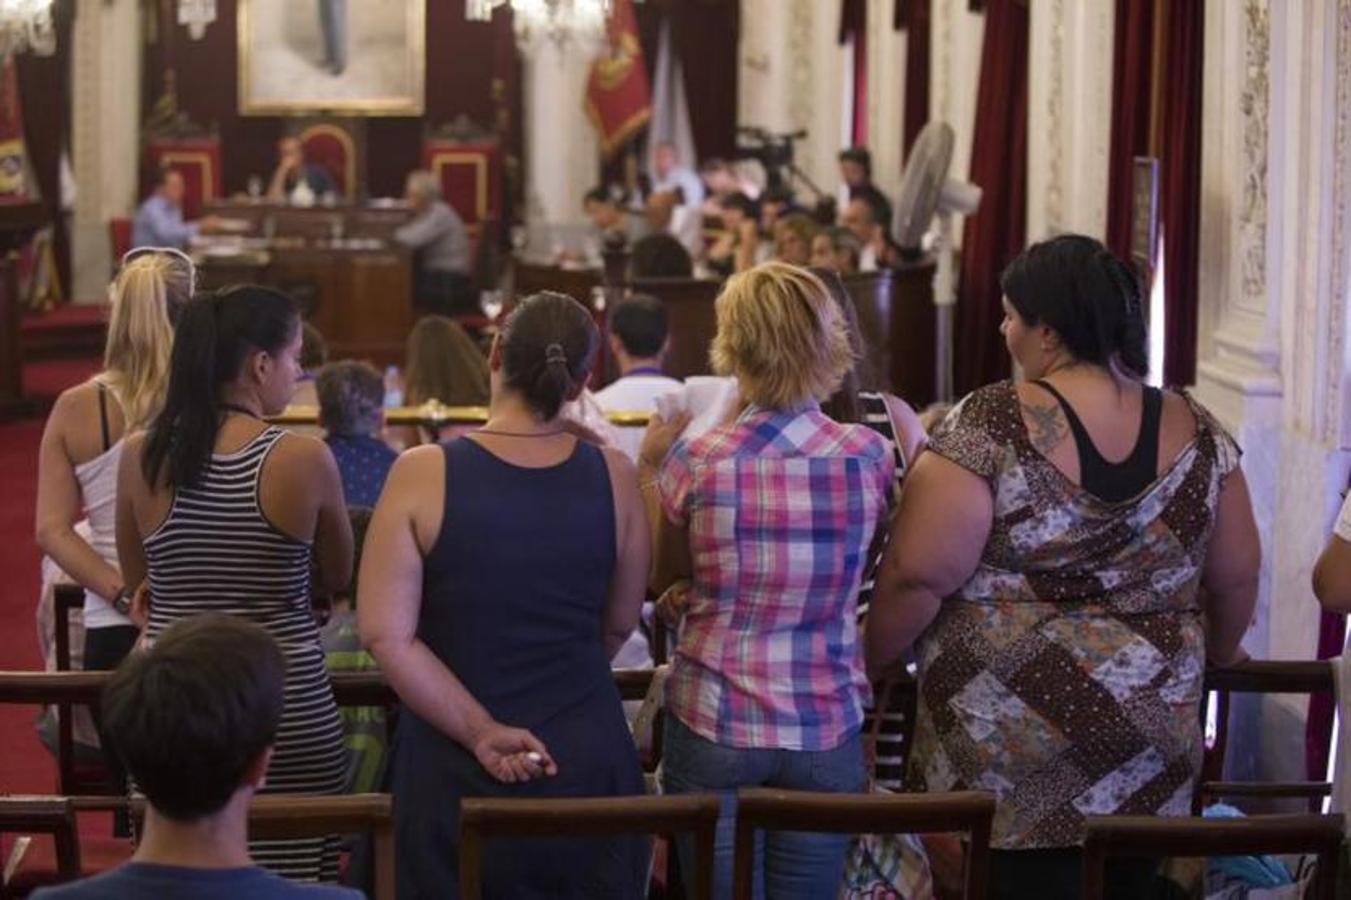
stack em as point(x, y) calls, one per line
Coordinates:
point(738, 245)
point(793, 236)
point(660, 256)
point(836, 248)
point(159, 219)
point(194, 719)
point(295, 180)
point(856, 173)
point(313, 355)
point(722, 180)
point(351, 410)
point(611, 219)
point(669, 174)
point(867, 217)
point(437, 237)
point(503, 571)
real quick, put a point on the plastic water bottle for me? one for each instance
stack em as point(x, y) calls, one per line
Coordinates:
point(393, 388)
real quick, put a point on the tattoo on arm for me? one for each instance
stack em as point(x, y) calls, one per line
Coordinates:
point(1045, 425)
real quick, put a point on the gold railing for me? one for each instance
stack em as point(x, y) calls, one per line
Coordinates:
point(437, 415)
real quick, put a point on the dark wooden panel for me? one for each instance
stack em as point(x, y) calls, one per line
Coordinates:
point(899, 325)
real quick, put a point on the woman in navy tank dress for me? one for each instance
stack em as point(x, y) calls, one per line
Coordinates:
point(517, 602)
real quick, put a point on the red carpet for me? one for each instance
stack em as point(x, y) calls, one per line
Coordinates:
point(25, 765)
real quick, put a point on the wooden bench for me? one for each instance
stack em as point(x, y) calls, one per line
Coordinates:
point(764, 809)
point(482, 817)
point(1159, 836)
point(24, 816)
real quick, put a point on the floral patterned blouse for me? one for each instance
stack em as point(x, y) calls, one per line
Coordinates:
point(1065, 675)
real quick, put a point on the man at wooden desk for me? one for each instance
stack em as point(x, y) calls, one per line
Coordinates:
point(440, 244)
point(159, 220)
point(295, 180)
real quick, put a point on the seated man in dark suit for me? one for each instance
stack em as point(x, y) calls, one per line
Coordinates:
point(295, 180)
point(194, 719)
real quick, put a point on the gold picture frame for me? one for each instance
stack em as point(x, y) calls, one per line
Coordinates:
point(280, 74)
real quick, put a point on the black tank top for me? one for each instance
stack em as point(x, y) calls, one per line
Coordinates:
point(1116, 482)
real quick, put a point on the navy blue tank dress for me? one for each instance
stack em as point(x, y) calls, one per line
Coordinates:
point(513, 594)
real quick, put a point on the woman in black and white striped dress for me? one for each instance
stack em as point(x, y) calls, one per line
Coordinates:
point(223, 513)
point(893, 418)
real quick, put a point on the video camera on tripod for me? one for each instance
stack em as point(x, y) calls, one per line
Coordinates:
point(773, 150)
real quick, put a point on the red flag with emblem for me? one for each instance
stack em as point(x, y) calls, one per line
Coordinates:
point(618, 98)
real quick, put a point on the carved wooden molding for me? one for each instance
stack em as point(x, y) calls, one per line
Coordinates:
point(1254, 104)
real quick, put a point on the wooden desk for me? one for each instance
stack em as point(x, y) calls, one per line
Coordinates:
point(533, 277)
point(352, 282)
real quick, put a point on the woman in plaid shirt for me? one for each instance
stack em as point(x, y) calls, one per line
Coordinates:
point(770, 515)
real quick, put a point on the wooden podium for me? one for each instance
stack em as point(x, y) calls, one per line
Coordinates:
point(18, 221)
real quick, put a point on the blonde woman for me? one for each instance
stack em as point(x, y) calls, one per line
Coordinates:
point(82, 444)
point(770, 515)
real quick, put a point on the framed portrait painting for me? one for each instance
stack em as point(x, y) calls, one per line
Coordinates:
point(359, 58)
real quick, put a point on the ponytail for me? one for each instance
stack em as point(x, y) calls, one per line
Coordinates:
point(548, 346)
point(215, 334)
point(140, 334)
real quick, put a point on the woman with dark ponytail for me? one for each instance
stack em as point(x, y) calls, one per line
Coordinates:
point(222, 512)
point(1072, 551)
point(503, 570)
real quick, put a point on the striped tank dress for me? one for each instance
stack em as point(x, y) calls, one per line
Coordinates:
point(217, 552)
point(889, 750)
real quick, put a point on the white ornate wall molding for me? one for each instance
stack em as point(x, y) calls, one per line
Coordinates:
point(105, 117)
point(887, 49)
point(1273, 292)
point(1069, 116)
point(955, 78)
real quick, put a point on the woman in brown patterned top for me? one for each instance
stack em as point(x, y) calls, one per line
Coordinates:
point(1068, 557)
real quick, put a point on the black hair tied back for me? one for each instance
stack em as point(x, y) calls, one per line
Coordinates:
point(1088, 296)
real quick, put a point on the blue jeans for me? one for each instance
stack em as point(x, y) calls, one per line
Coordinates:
point(788, 864)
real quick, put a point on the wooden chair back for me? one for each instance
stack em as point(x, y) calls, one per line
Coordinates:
point(1109, 836)
point(1257, 677)
point(763, 809)
point(89, 778)
point(482, 817)
point(286, 816)
point(43, 815)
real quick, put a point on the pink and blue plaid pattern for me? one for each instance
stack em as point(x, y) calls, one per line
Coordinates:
point(781, 509)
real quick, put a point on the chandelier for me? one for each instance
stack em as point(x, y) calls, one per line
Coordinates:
point(560, 21)
point(26, 25)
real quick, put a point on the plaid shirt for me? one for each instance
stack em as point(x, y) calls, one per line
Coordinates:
point(781, 509)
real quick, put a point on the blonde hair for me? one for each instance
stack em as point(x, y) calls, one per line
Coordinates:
point(140, 333)
point(444, 364)
point(781, 335)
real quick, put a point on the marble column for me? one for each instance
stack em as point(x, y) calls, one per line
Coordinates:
point(561, 148)
point(1069, 116)
point(106, 111)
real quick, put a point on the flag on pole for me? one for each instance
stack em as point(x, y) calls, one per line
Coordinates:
point(13, 151)
point(618, 99)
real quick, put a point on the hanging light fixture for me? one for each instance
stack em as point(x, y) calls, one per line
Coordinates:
point(560, 21)
point(26, 25)
point(196, 15)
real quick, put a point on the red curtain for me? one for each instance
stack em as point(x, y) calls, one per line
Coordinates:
point(914, 16)
point(854, 24)
point(996, 233)
point(705, 34)
point(1180, 186)
point(1131, 92)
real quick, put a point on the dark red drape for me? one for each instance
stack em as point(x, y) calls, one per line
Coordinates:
point(706, 33)
point(995, 234)
point(914, 16)
point(1318, 727)
point(1131, 92)
point(1180, 186)
point(44, 93)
